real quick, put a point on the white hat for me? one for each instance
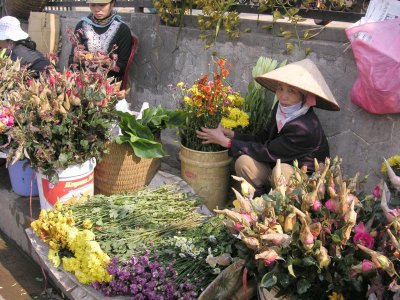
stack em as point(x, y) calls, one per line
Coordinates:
point(304, 75)
point(10, 29)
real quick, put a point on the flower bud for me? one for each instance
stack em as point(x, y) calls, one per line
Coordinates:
point(268, 256)
point(322, 257)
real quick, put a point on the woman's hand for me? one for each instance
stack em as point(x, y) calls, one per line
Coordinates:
point(214, 136)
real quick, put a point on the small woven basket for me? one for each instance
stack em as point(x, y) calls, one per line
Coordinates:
point(122, 171)
point(22, 8)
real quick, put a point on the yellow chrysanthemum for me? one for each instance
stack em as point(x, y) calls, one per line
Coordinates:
point(54, 257)
point(236, 117)
point(180, 84)
point(336, 296)
point(393, 161)
point(228, 123)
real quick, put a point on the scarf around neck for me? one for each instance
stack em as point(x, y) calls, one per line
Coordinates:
point(90, 19)
point(285, 114)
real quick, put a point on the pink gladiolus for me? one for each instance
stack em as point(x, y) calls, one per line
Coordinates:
point(362, 237)
point(247, 217)
point(330, 205)
point(367, 265)
point(238, 226)
point(52, 80)
point(377, 192)
point(316, 205)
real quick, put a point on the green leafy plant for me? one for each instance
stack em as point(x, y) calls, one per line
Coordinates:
point(259, 101)
point(143, 134)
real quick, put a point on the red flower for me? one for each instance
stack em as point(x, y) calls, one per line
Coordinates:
point(377, 192)
point(362, 237)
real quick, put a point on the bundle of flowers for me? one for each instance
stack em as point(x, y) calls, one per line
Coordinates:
point(76, 249)
point(145, 278)
point(12, 75)
point(163, 221)
point(64, 118)
point(315, 237)
point(209, 102)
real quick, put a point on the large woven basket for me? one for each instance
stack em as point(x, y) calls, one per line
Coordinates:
point(122, 171)
point(22, 8)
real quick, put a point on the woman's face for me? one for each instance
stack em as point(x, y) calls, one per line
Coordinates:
point(101, 11)
point(288, 95)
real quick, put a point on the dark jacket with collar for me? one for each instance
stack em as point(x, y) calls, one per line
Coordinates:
point(302, 138)
point(122, 39)
point(36, 60)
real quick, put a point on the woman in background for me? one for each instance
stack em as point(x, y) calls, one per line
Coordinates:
point(19, 45)
point(103, 31)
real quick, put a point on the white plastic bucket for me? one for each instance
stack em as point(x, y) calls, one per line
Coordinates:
point(74, 182)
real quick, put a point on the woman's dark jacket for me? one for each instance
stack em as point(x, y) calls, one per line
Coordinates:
point(302, 138)
point(36, 61)
point(122, 39)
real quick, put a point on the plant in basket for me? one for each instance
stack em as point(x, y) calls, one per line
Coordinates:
point(143, 134)
point(64, 118)
point(318, 237)
point(207, 103)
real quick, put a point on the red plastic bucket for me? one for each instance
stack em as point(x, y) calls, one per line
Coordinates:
point(74, 182)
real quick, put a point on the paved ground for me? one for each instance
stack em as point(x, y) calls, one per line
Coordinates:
point(20, 277)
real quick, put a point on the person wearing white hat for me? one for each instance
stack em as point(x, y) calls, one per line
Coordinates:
point(19, 45)
point(294, 133)
point(103, 30)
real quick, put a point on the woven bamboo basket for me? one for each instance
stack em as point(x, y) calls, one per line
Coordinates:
point(22, 8)
point(122, 171)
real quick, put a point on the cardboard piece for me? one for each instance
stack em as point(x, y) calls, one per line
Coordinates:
point(44, 29)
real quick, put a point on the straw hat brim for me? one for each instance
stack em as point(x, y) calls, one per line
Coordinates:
point(305, 76)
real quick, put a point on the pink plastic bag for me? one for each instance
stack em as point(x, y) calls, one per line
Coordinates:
point(376, 49)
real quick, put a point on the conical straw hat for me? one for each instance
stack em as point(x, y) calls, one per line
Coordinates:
point(304, 75)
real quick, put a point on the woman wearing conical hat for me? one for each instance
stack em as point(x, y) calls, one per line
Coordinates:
point(294, 133)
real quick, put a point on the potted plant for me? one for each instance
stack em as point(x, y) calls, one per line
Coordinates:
point(62, 123)
point(208, 103)
point(318, 236)
point(134, 155)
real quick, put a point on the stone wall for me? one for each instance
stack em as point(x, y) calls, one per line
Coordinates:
point(167, 55)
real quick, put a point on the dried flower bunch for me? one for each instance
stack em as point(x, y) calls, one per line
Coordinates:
point(12, 75)
point(209, 102)
point(316, 237)
point(64, 118)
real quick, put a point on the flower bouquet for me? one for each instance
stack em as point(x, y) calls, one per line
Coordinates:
point(12, 75)
point(64, 118)
point(317, 237)
point(207, 103)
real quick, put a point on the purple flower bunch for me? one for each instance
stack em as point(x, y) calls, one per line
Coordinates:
point(145, 279)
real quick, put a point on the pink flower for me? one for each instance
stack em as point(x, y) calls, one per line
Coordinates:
point(52, 80)
point(362, 237)
point(238, 226)
point(377, 192)
point(247, 217)
point(367, 265)
point(330, 205)
point(316, 205)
